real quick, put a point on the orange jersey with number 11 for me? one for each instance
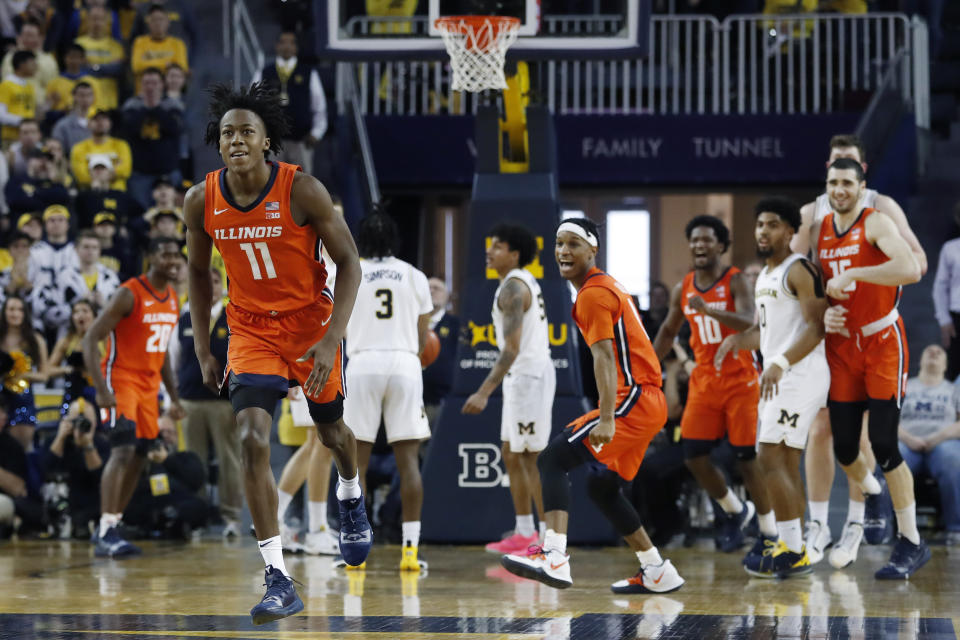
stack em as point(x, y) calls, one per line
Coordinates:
point(273, 264)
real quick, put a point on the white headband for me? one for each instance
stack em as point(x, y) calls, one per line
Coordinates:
point(577, 230)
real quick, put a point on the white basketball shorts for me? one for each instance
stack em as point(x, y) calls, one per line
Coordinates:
point(802, 393)
point(528, 409)
point(387, 384)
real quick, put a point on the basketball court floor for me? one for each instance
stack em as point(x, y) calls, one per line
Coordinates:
point(204, 589)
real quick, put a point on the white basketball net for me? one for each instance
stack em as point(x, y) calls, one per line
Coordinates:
point(478, 50)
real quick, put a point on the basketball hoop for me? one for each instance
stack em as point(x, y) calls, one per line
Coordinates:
point(478, 47)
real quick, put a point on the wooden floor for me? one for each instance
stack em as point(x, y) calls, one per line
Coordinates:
point(205, 589)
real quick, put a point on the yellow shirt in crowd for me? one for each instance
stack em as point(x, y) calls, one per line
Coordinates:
point(60, 93)
point(47, 70)
point(117, 149)
point(21, 100)
point(157, 54)
point(104, 51)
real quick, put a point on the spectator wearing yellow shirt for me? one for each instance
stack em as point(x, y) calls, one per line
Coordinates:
point(29, 39)
point(60, 89)
point(101, 142)
point(105, 54)
point(157, 49)
point(18, 99)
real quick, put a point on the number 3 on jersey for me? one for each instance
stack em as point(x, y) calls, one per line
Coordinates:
point(264, 250)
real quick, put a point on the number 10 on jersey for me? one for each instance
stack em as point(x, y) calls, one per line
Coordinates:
point(264, 250)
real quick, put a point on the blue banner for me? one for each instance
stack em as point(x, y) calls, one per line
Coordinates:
point(623, 149)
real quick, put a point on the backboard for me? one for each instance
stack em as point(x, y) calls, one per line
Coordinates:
point(392, 29)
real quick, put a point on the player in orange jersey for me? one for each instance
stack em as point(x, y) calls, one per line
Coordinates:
point(136, 324)
point(611, 439)
point(268, 220)
point(865, 261)
point(717, 302)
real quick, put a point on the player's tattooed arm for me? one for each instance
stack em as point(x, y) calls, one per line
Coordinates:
point(742, 318)
point(513, 300)
point(889, 206)
point(119, 307)
point(901, 268)
point(663, 342)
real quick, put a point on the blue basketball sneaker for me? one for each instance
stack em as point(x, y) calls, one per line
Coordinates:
point(280, 600)
point(905, 560)
point(356, 536)
point(730, 537)
point(878, 516)
point(111, 545)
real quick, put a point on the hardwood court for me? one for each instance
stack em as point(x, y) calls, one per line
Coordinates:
point(204, 589)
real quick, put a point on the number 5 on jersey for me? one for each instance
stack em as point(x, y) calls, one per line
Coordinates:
point(264, 250)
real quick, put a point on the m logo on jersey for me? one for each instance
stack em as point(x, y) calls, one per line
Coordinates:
point(525, 428)
point(479, 465)
point(788, 418)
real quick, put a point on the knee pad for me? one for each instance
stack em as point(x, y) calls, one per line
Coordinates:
point(604, 488)
point(554, 463)
point(882, 425)
point(697, 448)
point(745, 454)
point(846, 421)
point(328, 412)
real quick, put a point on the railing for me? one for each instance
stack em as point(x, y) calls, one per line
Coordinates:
point(348, 99)
point(888, 104)
point(240, 41)
point(748, 64)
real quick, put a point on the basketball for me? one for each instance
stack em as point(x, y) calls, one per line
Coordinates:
point(430, 350)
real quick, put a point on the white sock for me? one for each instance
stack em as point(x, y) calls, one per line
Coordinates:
point(525, 525)
point(543, 529)
point(855, 511)
point(768, 523)
point(348, 489)
point(869, 485)
point(272, 553)
point(730, 502)
point(554, 540)
point(411, 533)
point(649, 557)
point(283, 501)
point(108, 520)
point(820, 511)
point(907, 522)
point(317, 512)
point(792, 534)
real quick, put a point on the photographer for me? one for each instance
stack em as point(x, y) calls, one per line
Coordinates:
point(165, 503)
point(72, 464)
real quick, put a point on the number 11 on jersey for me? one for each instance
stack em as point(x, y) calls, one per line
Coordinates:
point(264, 255)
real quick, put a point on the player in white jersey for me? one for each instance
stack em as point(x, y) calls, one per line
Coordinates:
point(385, 337)
point(526, 370)
point(789, 332)
point(819, 461)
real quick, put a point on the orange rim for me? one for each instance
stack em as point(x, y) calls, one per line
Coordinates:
point(463, 24)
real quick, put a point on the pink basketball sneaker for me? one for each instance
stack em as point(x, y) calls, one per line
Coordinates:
point(513, 544)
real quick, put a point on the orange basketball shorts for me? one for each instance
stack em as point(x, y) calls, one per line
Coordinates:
point(644, 412)
point(721, 406)
point(137, 404)
point(264, 350)
point(873, 366)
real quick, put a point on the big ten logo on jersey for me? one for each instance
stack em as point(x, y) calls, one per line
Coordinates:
point(480, 466)
point(535, 268)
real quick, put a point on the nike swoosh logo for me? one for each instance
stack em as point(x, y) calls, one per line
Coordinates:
point(326, 322)
point(148, 303)
point(657, 581)
point(557, 566)
point(217, 212)
point(263, 544)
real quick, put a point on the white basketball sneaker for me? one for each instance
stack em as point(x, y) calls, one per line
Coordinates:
point(288, 539)
point(548, 566)
point(653, 578)
point(845, 551)
point(321, 543)
point(817, 539)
